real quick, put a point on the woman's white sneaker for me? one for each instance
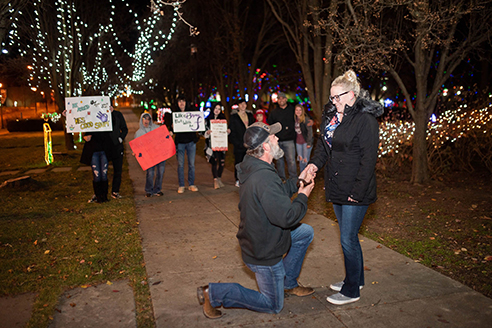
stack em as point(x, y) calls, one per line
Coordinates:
point(338, 286)
point(339, 299)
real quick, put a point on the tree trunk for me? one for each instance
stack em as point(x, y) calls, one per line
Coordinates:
point(420, 168)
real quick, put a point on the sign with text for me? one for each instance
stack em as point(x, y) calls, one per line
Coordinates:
point(218, 137)
point(88, 114)
point(188, 121)
point(153, 147)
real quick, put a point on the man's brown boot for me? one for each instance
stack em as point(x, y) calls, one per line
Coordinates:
point(300, 291)
point(208, 310)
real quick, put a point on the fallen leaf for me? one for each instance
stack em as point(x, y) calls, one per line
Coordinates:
point(109, 283)
point(84, 286)
point(474, 206)
point(115, 291)
point(73, 304)
point(488, 258)
point(96, 241)
point(432, 238)
point(214, 257)
point(36, 242)
point(366, 268)
point(375, 282)
point(47, 251)
point(379, 246)
point(464, 249)
point(82, 261)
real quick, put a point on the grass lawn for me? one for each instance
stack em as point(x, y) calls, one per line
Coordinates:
point(52, 239)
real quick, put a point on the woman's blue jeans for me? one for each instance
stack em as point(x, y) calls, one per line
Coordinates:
point(350, 219)
point(151, 186)
point(190, 149)
point(303, 155)
point(271, 280)
point(99, 164)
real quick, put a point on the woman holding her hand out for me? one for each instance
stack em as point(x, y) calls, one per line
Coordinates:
point(348, 149)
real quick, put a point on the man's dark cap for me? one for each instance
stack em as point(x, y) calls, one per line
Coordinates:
point(257, 133)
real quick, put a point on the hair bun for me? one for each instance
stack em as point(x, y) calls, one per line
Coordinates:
point(351, 76)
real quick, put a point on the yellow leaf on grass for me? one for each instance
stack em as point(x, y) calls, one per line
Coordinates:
point(47, 251)
point(84, 286)
point(109, 283)
point(35, 242)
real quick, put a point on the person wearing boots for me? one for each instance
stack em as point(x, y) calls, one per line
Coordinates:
point(97, 152)
point(215, 158)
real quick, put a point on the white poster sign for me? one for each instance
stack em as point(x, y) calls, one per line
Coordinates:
point(88, 114)
point(188, 121)
point(218, 137)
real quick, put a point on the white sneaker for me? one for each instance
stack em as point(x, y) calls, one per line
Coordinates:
point(338, 286)
point(237, 183)
point(221, 184)
point(339, 299)
point(181, 190)
point(192, 188)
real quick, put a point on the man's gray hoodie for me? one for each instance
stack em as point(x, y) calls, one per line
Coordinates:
point(143, 130)
point(267, 213)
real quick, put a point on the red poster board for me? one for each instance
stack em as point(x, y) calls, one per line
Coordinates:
point(153, 147)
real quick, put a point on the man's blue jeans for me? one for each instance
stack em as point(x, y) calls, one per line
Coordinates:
point(350, 219)
point(289, 149)
point(190, 149)
point(271, 280)
point(99, 164)
point(151, 186)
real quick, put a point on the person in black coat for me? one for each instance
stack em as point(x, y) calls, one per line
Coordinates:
point(118, 135)
point(216, 158)
point(348, 149)
point(238, 124)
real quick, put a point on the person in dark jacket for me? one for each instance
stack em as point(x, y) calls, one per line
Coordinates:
point(238, 124)
point(216, 158)
point(348, 149)
point(284, 114)
point(269, 228)
point(118, 135)
point(185, 142)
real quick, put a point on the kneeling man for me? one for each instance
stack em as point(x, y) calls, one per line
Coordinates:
point(270, 227)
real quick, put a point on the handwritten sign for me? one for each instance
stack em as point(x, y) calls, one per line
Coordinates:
point(188, 121)
point(153, 147)
point(218, 137)
point(86, 114)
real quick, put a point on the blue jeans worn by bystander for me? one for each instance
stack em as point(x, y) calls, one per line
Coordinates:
point(190, 149)
point(151, 186)
point(303, 155)
point(289, 149)
point(271, 280)
point(350, 219)
point(99, 165)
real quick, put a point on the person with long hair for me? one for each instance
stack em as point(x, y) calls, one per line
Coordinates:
point(304, 136)
point(348, 149)
point(215, 158)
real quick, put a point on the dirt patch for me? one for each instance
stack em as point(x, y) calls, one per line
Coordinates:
point(445, 224)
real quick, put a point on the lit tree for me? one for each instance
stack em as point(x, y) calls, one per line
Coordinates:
point(302, 23)
point(419, 43)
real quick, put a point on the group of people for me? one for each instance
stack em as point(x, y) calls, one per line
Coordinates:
point(272, 238)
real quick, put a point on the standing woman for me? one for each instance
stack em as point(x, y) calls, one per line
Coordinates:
point(239, 122)
point(348, 149)
point(304, 136)
point(215, 158)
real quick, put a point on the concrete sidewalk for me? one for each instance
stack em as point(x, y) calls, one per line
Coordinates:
point(190, 240)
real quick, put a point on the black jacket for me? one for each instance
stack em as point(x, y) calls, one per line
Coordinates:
point(267, 212)
point(350, 163)
point(286, 117)
point(237, 131)
point(120, 130)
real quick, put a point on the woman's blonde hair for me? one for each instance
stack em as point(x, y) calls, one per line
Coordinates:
point(348, 81)
point(302, 118)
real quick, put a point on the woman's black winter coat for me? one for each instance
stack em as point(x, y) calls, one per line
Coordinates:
point(350, 163)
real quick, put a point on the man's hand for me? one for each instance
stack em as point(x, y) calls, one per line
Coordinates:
point(306, 189)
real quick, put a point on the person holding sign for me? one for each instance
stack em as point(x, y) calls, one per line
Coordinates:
point(185, 142)
point(152, 187)
point(215, 157)
point(239, 123)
